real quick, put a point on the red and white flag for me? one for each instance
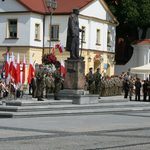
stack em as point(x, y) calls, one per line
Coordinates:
point(60, 47)
point(12, 69)
point(23, 70)
point(18, 69)
point(6, 66)
point(63, 69)
point(31, 71)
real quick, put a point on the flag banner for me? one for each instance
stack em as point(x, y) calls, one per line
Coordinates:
point(24, 70)
point(6, 66)
point(18, 70)
point(31, 71)
point(63, 69)
point(12, 69)
point(60, 47)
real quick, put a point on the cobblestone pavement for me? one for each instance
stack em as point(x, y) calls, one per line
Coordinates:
point(108, 131)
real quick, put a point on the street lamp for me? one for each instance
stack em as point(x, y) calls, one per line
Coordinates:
point(51, 5)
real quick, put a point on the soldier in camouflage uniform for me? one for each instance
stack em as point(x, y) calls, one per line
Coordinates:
point(97, 79)
point(57, 81)
point(90, 81)
point(40, 82)
point(49, 82)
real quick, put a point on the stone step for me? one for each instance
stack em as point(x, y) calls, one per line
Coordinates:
point(58, 110)
point(33, 102)
point(69, 112)
point(52, 107)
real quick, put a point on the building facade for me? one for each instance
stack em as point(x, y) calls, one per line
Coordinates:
point(26, 28)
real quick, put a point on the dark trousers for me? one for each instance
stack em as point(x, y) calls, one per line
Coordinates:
point(126, 93)
point(137, 94)
point(144, 95)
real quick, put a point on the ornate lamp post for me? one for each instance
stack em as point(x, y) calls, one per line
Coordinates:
point(51, 5)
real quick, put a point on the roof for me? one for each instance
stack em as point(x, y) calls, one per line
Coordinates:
point(142, 42)
point(64, 6)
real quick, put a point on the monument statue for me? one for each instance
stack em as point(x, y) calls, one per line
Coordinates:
point(72, 43)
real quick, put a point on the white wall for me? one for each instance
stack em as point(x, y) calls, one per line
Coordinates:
point(95, 10)
point(23, 29)
point(26, 26)
point(11, 5)
point(62, 21)
point(36, 18)
point(140, 57)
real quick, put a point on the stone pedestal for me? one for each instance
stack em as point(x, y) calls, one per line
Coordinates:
point(74, 84)
point(75, 77)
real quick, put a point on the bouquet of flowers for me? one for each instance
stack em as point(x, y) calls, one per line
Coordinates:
point(48, 59)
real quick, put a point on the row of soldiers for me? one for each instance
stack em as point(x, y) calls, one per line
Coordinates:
point(50, 82)
point(104, 86)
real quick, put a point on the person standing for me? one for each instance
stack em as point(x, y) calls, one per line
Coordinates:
point(57, 81)
point(131, 85)
point(34, 86)
point(40, 82)
point(90, 81)
point(49, 82)
point(138, 86)
point(126, 88)
point(148, 88)
point(97, 79)
point(145, 90)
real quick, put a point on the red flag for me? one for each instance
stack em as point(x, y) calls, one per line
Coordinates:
point(6, 66)
point(62, 69)
point(18, 69)
point(24, 69)
point(31, 71)
point(12, 69)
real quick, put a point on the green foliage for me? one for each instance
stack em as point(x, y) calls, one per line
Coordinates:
point(136, 12)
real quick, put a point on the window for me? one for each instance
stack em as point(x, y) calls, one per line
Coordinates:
point(83, 33)
point(37, 31)
point(12, 28)
point(55, 32)
point(109, 38)
point(98, 37)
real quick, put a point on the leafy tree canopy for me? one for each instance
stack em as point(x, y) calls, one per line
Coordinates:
point(135, 12)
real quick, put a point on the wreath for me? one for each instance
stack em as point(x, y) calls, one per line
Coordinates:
point(48, 59)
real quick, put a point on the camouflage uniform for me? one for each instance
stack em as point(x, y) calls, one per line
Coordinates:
point(102, 88)
point(49, 82)
point(90, 81)
point(106, 87)
point(40, 81)
point(97, 79)
point(57, 83)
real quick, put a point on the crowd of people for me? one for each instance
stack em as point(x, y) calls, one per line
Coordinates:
point(103, 85)
point(137, 87)
point(132, 87)
point(45, 82)
point(11, 90)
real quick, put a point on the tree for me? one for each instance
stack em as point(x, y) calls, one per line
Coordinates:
point(132, 16)
point(132, 13)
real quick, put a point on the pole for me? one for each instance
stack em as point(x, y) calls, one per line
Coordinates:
point(81, 42)
point(50, 34)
